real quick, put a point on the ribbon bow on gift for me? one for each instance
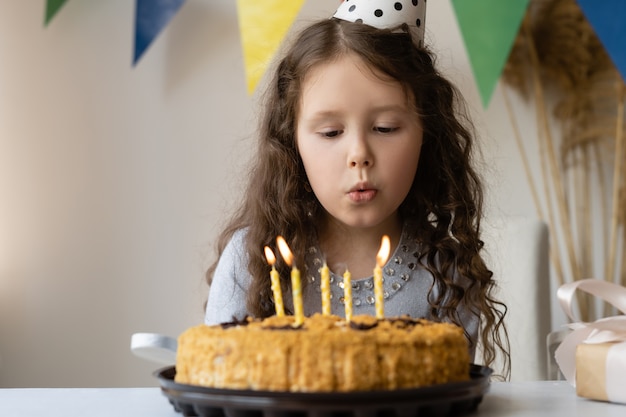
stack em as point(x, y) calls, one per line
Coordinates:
point(609, 329)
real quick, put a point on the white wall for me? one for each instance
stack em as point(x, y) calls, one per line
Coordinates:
point(114, 180)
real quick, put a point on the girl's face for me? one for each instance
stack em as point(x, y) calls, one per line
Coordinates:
point(359, 140)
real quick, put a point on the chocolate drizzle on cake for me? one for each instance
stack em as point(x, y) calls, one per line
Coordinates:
point(236, 322)
point(362, 326)
point(363, 322)
point(405, 321)
point(285, 327)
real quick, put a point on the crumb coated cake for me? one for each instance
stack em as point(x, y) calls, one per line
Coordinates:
point(326, 353)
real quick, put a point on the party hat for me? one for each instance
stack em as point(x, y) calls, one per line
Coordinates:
point(385, 14)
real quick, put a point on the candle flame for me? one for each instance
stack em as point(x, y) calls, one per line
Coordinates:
point(383, 253)
point(269, 255)
point(284, 250)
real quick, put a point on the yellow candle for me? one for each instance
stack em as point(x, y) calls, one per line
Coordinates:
point(278, 295)
point(378, 292)
point(381, 260)
point(296, 283)
point(347, 294)
point(325, 286)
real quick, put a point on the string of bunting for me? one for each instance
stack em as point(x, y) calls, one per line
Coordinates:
point(263, 25)
point(488, 28)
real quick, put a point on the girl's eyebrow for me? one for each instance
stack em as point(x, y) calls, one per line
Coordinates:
point(378, 109)
point(325, 113)
point(391, 107)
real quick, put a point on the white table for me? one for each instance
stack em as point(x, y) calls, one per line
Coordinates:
point(521, 399)
point(542, 398)
point(84, 402)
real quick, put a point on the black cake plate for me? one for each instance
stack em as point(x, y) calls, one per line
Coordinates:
point(451, 399)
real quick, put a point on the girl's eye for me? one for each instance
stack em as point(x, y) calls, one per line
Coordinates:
point(384, 129)
point(331, 133)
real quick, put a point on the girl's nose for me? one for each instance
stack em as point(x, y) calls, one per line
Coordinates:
point(360, 155)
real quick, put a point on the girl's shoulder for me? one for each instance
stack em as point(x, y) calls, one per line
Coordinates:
point(239, 236)
point(236, 246)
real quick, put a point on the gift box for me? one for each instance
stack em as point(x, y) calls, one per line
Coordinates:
point(601, 371)
point(593, 355)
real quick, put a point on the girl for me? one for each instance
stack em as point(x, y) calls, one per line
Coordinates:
point(361, 137)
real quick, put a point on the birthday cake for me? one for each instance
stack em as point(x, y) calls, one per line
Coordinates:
point(325, 353)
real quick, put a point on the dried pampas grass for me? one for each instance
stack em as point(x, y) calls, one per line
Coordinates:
point(558, 63)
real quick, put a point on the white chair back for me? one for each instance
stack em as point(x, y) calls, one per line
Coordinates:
point(517, 251)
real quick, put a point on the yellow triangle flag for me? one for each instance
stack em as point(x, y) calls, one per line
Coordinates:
point(263, 25)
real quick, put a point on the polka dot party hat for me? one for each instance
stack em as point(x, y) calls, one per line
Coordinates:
point(385, 14)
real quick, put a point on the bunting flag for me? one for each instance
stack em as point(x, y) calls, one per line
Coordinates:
point(489, 28)
point(151, 17)
point(608, 19)
point(263, 24)
point(52, 7)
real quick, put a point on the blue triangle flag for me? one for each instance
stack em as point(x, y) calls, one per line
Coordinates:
point(151, 16)
point(608, 19)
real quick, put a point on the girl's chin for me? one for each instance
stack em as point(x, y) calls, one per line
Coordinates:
point(374, 223)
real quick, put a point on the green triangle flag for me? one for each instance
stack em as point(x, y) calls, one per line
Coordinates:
point(52, 7)
point(489, 28)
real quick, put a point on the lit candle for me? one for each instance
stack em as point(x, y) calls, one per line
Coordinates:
point(278, 295)
point(296, 285)
point(381, 260)
point(347, 293)
point(325, 286)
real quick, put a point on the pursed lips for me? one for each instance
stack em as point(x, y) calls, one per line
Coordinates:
point(361, 193)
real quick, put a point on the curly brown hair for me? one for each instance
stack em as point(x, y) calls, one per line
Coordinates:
point(445, 200)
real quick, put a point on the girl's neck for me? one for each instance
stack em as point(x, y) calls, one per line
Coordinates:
point(356, 248)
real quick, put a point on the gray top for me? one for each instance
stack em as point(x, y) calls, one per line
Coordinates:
point(405, 282)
